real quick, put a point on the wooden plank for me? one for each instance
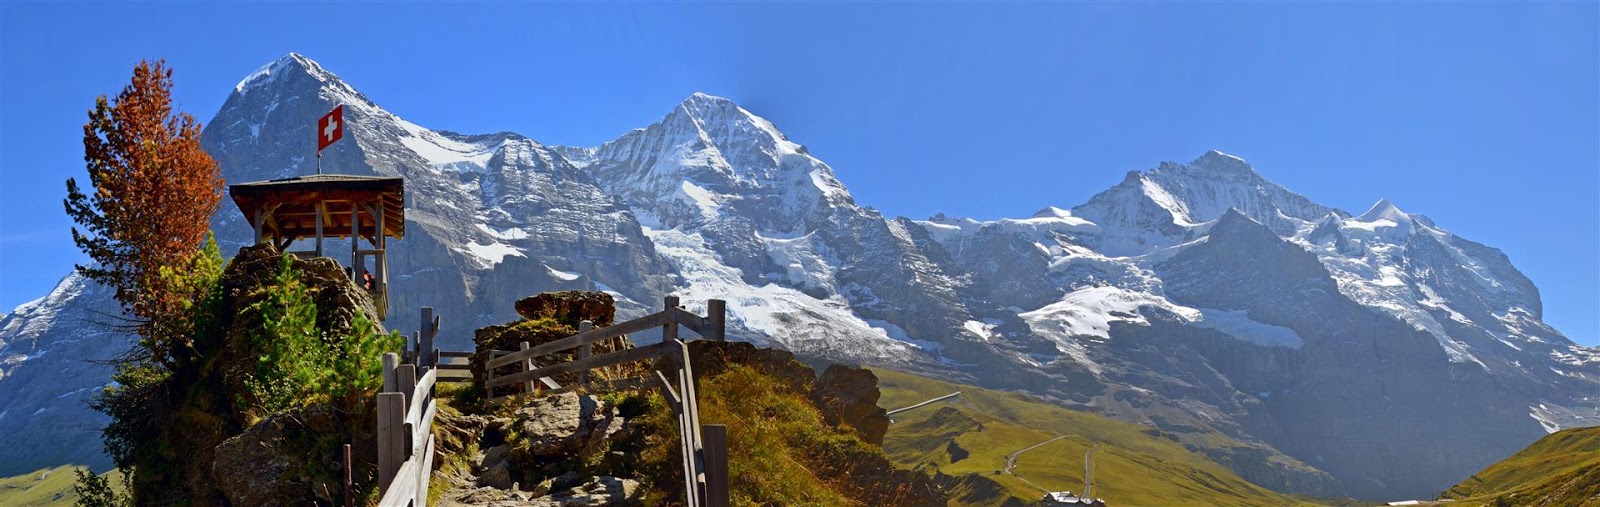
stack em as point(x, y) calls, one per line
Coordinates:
point(424, 473)
point(632, 326)
point(694, 322)
point(391, 417)
point(646, 352)
point(420, 432)
point(666, 392)
point(454, 367)
point(585, 350)
point(403, 490)
point(421, 395)
point(407, 376)
point(716, 320)
point(716, 461)
point(390, 383)
point(427, 329)
point(454, 354)
point(527, 365)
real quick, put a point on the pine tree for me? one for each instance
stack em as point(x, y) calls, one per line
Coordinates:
point(155, 190)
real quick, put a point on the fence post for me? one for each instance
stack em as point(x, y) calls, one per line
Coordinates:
point(428, 329)
point(349, 490)
point(390, 383)
point(585, 351)
point(406, 375)
point(716, 460)
point(669, 331)
point(391, 424)
point(527, 365)
point(412, 348)
point(717, 315)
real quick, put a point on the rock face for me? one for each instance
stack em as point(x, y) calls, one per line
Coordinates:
point(1185, 297)
point(548, 317)
point(266, 465)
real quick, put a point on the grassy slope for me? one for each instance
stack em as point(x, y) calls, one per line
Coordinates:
point(1563, 468)
point(1135, 465)
point(51, 487)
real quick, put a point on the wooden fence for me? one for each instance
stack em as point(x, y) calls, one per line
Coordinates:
point(704, 447)
point(405, 433)
point(406, 407)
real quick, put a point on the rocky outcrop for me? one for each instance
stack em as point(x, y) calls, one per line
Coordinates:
point(849, 396)
point(554, 450)
point(278, 460)
point(548, 317)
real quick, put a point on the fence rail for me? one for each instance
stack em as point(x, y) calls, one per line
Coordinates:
point(406, 405)
point(704, 447)
point(406, 408)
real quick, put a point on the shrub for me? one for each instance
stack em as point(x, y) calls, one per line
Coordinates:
point(299, 364)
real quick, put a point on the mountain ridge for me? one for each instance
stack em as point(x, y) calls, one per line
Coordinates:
point(1071, 304)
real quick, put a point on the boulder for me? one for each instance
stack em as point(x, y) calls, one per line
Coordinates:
point(850, 396)
point(555, 426)
point(276, 461)
point(569, 306)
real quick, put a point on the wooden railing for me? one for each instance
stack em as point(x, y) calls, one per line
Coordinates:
point(405, 433)
point(406, 407)
point(703, 447)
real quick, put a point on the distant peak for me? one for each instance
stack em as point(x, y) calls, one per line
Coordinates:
point(1218, 160)
point(1384, 210)
point(701, 102)
point(1052, 212)
point(287, 64)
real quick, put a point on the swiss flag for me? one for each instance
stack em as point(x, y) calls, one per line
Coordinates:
point(330, 128)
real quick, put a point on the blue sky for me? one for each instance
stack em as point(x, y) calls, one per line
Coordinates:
point(1484, 116)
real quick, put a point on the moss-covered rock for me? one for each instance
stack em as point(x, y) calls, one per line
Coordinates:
point(549, 317)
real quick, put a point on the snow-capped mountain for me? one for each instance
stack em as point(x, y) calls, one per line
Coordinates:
point(1310, 349)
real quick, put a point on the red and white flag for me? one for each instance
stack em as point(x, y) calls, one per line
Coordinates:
point(330, 128)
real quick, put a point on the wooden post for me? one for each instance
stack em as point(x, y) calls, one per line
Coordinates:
point(349, 490)
point(527, 365)
point(320, 205)
point(669, 331)
point(412, 347)
point(716, 461)
point(407, 374)
point(391, 441)
point(356, 269)
point(717, 315)
point(378, 259)
point(429, 327)
point(260, 223)
point(584, 351)
point(391, 384)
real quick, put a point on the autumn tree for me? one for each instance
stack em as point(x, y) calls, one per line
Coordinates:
point(154, 191)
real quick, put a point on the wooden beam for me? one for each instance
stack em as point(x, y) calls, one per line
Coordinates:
point(632, 326)
point(321, 209)
point(646, 352)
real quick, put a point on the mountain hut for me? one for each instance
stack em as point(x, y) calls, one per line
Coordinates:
point(315, 207)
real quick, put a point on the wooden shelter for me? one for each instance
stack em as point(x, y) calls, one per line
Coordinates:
point(330, 206)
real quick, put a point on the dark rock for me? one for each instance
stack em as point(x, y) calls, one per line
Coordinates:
point(570, 306)
point(850, 396)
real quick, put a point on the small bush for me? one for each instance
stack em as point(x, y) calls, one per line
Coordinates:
point(96, 491)
point(299, 364)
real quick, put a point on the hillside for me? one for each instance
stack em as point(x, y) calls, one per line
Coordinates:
point(44, 488)
point(973, 433)
point(1562, 469)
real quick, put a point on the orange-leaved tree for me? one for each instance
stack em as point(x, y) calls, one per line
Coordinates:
point(155, 190)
